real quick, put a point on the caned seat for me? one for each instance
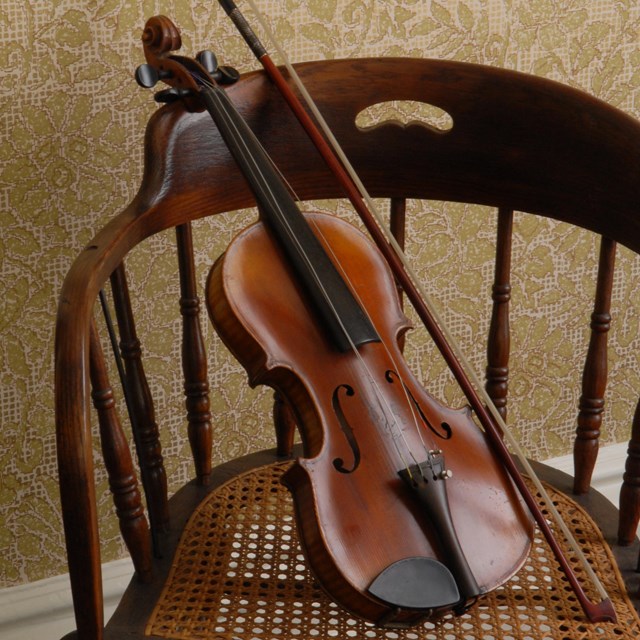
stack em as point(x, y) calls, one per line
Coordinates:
point(230, 562)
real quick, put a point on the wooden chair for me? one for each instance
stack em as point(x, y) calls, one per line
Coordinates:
point(517, 143)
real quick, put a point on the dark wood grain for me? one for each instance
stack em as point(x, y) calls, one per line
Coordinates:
point(499, 340)
point(594, 376)
point(140, 405)
point(123, 481)
point(630, 490)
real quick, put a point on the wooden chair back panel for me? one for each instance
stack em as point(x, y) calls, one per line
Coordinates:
point(519, 142)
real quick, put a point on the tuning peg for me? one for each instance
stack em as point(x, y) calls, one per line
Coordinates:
point(221, 74)
point(208, 60)
point(226, 75)
point(147, 76)
point(171, 95)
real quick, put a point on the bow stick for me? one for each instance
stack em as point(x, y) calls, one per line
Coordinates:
point(488, 415)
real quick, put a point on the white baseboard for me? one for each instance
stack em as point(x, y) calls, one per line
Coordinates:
point(44, 609)
point(607, 474)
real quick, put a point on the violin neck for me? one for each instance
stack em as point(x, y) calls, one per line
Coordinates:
point(347, 324)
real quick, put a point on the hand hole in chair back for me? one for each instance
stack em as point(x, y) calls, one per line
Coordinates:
point(405, 113)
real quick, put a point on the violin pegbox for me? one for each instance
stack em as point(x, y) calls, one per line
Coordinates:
point(184, 75)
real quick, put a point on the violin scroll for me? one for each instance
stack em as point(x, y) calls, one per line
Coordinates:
point(161, 36)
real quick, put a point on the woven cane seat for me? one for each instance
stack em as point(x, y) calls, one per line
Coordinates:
point(239, 573)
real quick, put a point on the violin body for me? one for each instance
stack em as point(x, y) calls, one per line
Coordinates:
point(361, 415)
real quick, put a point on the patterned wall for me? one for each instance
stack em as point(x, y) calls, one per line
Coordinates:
point(70, 157)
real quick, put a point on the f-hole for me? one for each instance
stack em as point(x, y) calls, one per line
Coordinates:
point(444, 432)
point(338, 463)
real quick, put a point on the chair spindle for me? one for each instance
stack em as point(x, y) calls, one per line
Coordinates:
point(140, 403)
point(594, 376)
point(119, 464)
point(630, 490)
point(398, 220)
point(398, 227)
point(499, 340)
point(285, 425)
point(194, 359)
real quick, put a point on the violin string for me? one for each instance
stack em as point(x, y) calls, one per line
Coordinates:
point(384, 407)
point(337, 148)
point(338, 264)
point(470, 372)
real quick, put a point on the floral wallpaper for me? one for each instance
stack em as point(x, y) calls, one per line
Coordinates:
point(71, 157)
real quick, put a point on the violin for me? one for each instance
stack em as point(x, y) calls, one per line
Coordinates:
point(393, 492)
point(405, 508)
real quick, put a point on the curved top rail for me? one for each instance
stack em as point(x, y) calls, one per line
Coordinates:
point(516, 140)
